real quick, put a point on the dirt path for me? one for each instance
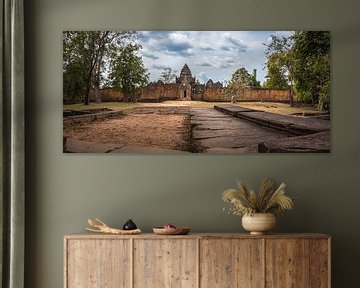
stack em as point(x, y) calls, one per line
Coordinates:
point(167, 128)
point(170, 129)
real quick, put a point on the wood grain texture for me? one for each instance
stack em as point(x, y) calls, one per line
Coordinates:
point(287, 263)
point(165, 263)
point(98, 264)
point(197, 260)
point(231, 263)
point(319, 263)
point(88, 235)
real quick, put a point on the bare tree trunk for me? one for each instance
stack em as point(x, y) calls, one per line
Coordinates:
point(97, 80)
point(94, 60)
point(88, 85)
point(87, 92)
point(97, 83)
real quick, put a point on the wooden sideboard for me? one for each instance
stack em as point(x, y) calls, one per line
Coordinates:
point(197, 260)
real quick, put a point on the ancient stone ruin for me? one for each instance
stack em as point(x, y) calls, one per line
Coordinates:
point(186, 83)
point(187, 88)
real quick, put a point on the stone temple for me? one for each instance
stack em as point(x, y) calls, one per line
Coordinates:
point(186, 83)
point(186, 88)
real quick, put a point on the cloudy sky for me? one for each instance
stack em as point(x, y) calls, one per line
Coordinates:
point(209, 54)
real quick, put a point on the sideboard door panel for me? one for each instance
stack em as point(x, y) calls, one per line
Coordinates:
point(197, 261)
point(320, 263)
point(231, 263)
point(287, 263)
point(98, 263)
point(170, 263)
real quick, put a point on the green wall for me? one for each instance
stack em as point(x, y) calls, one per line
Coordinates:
point(63, 190)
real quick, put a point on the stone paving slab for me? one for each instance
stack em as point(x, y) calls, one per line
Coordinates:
point(78, 146)
point(140, 110)
point(94, 116)
point(291, 124)
point(199, 134)
point(229, 142)
point(313, 143)
point(205, 117)
point(199, 113)
point(247, 131)
point(232, 109)
point(214, 134)
point(268, 133)
point(229, 124)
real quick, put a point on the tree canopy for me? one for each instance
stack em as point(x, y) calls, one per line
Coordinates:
point(85, 54)
point(276, 77)
point(241, 79)
point(168, 75)
point(311, 53)
point(254, 83)
point(127, 71)
point(302, 62)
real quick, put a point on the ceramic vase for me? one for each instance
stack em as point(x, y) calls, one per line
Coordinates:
point(259, 223)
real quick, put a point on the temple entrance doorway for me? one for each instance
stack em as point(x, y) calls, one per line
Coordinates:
point(185, 92)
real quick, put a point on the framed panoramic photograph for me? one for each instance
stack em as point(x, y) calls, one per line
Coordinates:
point(164, 92)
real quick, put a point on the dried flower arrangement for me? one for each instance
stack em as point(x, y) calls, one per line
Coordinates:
point(246, 202)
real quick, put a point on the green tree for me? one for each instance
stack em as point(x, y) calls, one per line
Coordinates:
point(275, 78)
point(281, 63)
point(303, 61)
point(311, 51)
point(84, 52)
point(254, 83)
point(168, 75)
point(127, 71)
point(241, 79)
point(74, 83)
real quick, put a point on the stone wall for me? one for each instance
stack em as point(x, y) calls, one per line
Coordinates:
point(107, 95)
point(197, 96)
point(263, 94)
point(215, 94)
point(158, 92)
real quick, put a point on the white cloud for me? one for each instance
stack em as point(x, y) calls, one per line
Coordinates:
point(209, 54)
point(203, 77)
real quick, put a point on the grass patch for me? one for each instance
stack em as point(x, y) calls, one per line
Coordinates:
point(278, 108)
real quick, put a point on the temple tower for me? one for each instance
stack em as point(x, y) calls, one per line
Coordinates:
point(186, 82)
